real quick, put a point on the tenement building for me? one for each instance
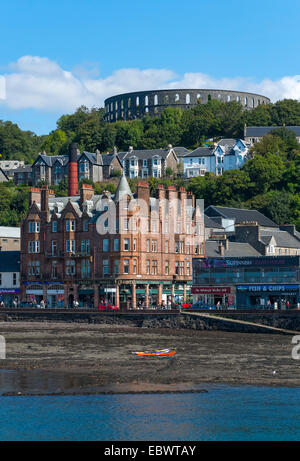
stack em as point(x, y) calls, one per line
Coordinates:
point(133, 250)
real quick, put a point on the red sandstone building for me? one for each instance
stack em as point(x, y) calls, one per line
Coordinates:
point(130, 249)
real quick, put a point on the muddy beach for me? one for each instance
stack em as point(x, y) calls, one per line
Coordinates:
point(69, 358)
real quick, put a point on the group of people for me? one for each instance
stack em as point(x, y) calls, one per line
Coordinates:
point(14, 304)
point(279, 304)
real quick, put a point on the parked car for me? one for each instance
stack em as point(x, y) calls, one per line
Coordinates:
point(186, 306)
point(107, 306)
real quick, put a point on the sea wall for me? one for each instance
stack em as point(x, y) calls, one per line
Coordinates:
point(283, 320)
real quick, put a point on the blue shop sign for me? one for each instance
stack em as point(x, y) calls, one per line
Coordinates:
point(267, 288)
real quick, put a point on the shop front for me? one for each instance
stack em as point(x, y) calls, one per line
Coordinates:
point(34, 293)
point(214, 296)
point(247, 282)
point(273, 296)
point(86, 297)
point(55, 295)
point(9, 295)
point(108, 295)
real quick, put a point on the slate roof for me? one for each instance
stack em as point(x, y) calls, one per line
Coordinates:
point(108, 158)
point(180, 151)
point(57, 204)
point(49, 160)
point(23, 169)
point(235, 249)
point(210, 223)
point(260, 131)
point(201, 152)
point(239, 215)
point(226, 144)
point(92, 157)
point(9, 261)
point(144, 154)
point(283, 238)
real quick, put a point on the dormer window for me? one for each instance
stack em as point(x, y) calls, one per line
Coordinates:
point(133, 161)
point(156, 161)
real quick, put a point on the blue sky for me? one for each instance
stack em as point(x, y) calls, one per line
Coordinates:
point(60, 54)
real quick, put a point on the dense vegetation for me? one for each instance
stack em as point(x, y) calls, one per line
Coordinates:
point(268, 182)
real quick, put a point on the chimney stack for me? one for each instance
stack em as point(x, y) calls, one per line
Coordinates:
point(222, 249)
point(73, 170)
point(86, 193)
point(34, 195)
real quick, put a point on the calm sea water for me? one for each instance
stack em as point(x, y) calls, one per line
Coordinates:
point(224, 413)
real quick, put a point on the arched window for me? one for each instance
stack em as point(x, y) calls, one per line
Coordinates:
point(147, 109)
point(166, 99)
point(122, 104)
point(176, 97)
point(228, 98)
point(253, 103)
point(129, 102)
point(198, 98)
point(146, 100)
point(238, 99)
point(187, 98)
point(246, 102)
point(155, 99)
point(116, 105)
point(137, 101)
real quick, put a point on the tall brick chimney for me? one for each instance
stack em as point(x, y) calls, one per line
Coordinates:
point(45, 194)
point(143, 191)
point(73, 170)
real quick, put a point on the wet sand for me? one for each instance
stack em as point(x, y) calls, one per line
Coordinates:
point(70, 358)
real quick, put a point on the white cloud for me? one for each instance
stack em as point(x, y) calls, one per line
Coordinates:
point(38, 83)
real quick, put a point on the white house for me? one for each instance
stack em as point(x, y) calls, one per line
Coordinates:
point(227, 154)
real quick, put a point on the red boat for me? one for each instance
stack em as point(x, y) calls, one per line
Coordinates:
point(157, 353)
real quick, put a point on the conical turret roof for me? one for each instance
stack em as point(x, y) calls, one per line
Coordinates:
point(122, 189)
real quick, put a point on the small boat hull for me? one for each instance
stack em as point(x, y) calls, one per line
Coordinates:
point(161, 353)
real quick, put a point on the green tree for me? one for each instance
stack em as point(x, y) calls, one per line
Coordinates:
point(265, 171)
